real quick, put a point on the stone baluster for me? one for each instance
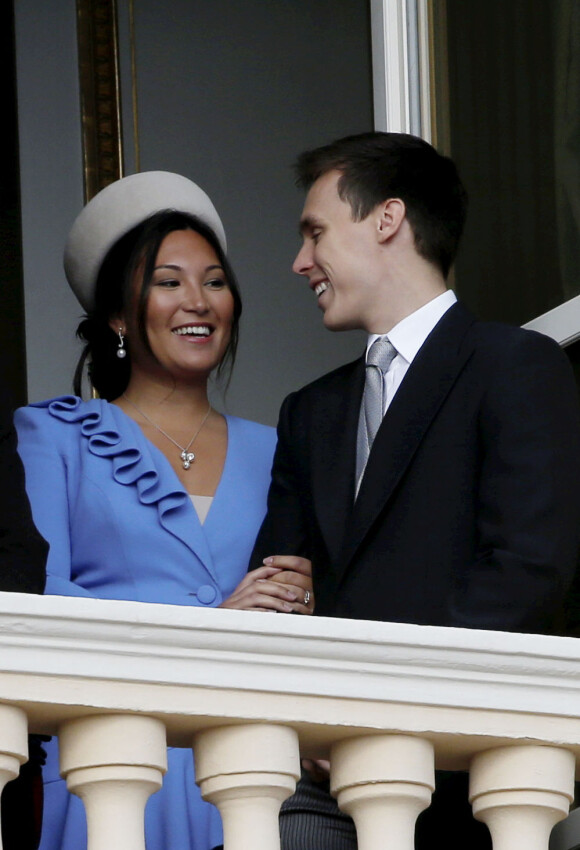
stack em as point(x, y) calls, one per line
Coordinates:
point(520, 792)
point(114, 763)
point(247, 771)
point(13, 744)
point(384, 782)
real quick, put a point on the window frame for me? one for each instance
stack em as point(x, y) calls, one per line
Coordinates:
point(409, 97)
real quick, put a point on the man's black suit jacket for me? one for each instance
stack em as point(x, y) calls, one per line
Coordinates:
point(469, 510)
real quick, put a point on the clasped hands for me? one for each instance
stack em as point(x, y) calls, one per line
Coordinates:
point(283, 584)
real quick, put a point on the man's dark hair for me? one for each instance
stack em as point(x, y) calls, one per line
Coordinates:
point(379, 166)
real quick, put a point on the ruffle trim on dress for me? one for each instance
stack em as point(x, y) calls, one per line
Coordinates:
point(109, 435)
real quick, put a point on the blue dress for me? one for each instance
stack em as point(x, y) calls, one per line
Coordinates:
point(121, 526)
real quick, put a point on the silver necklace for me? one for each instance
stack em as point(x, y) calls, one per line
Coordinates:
point(186, 456)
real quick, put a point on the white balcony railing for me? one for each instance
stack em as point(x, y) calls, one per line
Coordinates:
point(385, 701)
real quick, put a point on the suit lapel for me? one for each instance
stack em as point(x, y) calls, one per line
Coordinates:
point(137, 463)
point(183, 522)
point(333, 430)
point(422, 392)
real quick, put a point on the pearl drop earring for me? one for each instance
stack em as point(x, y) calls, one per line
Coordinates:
point(121, 349)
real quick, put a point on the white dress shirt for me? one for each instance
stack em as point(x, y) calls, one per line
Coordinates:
point(408, 336)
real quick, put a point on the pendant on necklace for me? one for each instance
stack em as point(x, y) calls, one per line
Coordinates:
point(187, 458)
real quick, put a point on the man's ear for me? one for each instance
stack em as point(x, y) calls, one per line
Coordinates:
point(390, 216)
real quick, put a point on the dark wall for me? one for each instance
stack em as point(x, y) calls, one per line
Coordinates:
point(502, 96)
point(12, 347)
point(228, 94)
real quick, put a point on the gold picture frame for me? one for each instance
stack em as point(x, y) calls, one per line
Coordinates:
point(100, 94)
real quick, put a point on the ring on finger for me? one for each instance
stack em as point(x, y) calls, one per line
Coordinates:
point(306, 597)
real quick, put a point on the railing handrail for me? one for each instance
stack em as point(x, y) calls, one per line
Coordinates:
point(62, 657)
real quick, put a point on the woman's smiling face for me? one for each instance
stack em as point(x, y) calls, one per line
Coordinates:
point(189, 309)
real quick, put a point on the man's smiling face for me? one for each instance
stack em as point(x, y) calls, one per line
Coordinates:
point(339, 256)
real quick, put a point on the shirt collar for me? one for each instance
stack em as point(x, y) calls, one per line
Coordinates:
point(411, 332)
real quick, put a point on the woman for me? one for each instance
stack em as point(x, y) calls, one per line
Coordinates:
point(147, 492)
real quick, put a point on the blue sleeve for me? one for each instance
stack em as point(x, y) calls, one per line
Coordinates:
point(48, 475)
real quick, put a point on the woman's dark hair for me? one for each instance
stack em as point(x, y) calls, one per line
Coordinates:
point(108, 373)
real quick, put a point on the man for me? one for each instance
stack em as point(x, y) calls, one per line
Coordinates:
point(464, 509)
point(22, 569)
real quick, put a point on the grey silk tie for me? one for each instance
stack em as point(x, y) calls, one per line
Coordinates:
point(379, 358)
